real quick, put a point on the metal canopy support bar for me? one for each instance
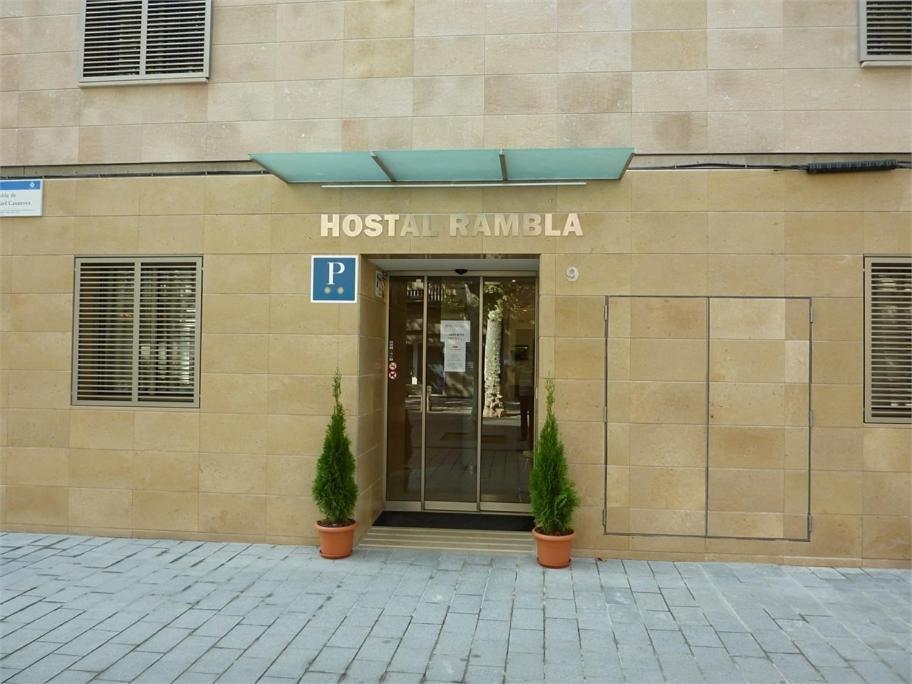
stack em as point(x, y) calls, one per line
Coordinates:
point(543, 184)
point(386, 171)
point(504, 176)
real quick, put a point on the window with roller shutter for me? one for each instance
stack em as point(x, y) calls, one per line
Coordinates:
point(888, 340)
point(141, 40)
point(136, 331)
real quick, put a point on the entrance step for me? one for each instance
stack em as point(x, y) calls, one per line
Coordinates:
point(433, 539)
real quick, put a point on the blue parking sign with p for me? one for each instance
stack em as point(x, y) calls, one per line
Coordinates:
point(334, 279)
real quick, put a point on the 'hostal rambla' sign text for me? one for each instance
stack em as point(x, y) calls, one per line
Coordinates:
point(460, 225)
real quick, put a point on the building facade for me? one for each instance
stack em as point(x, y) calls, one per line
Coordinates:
point(729, 334)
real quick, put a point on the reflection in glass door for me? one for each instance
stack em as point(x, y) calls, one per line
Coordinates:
point(508, 421)
point(451, 407)
point(460, 392)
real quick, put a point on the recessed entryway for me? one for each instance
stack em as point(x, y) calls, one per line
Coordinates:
point(461, 354)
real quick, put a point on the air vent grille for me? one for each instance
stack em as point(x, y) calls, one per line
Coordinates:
point(888, 357)
point(885, 30)
point(146, 39)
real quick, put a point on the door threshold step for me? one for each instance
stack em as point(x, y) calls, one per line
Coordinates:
point(476, 541)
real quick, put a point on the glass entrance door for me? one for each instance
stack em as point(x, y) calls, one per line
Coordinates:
point(460, 392)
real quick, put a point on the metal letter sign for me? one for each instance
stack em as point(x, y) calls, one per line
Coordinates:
point(334, 279)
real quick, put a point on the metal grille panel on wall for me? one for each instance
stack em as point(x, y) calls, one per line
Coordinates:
point(708, 416)
point(136, 331)
point(888, 339)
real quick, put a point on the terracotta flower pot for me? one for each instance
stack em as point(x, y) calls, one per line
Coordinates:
point(553, 550)
point(336, 542)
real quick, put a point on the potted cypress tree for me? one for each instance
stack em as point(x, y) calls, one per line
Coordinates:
point(334, 489)
point(554, 497)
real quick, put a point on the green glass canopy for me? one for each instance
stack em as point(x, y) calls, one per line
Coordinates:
point(449, 166)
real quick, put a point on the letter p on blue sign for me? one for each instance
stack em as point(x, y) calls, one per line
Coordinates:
point(334, 279)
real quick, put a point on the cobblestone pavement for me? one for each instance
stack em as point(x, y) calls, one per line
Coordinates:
point(74, 609)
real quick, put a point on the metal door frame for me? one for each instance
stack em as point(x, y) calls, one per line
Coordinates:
point(478, 506)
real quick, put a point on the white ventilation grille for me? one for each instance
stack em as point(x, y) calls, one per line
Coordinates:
point(136, 338)
point(145, 39)
point(885, 30)
point(888, 340)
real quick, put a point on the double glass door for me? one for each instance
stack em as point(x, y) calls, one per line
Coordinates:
point(460, 392)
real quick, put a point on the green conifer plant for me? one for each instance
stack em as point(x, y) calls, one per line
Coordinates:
point(554, 497)
point(334, 489)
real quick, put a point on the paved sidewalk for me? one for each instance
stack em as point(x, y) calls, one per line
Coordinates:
point(74, 609)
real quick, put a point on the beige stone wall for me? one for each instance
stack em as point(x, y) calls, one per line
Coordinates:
point(681, 76)
point(240, 466)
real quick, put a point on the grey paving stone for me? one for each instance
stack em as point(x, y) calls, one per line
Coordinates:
point(333, 659)
point(43, 670)
point(102, 657)
point(244, 669)
point(240, 636)
point(137, 633)
point(378, 648)
point(215, 660)
point(668, 642)
point(390, 626)
point(402, 678)
point(496, 609)
point(659, 619)
point(130, 666)
point(795, 667)
point(86, 642)
point(631, 634)
point(72, 677)
point(466, 603)
point(526, 641)
point(453, 644)
point(649, 601)
point(164, 640)
point(840, 675)
point(364, 671)
point(525, 668)
point(758, 669)
point(738, 644)
point(431, 613)
point(701, 635)
point(872, 671)
point(464, 623)
point(528, 618)
point(484, 675)
point(820, 654)
point(410, 659)
point(774, 641)
point(202, 678)
point(292, 663)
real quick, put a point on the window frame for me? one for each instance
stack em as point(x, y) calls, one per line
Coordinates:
point(137, 261)
point(868, 418)
point(143, 79)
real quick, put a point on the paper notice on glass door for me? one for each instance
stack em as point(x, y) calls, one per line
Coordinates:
point(455, 338)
